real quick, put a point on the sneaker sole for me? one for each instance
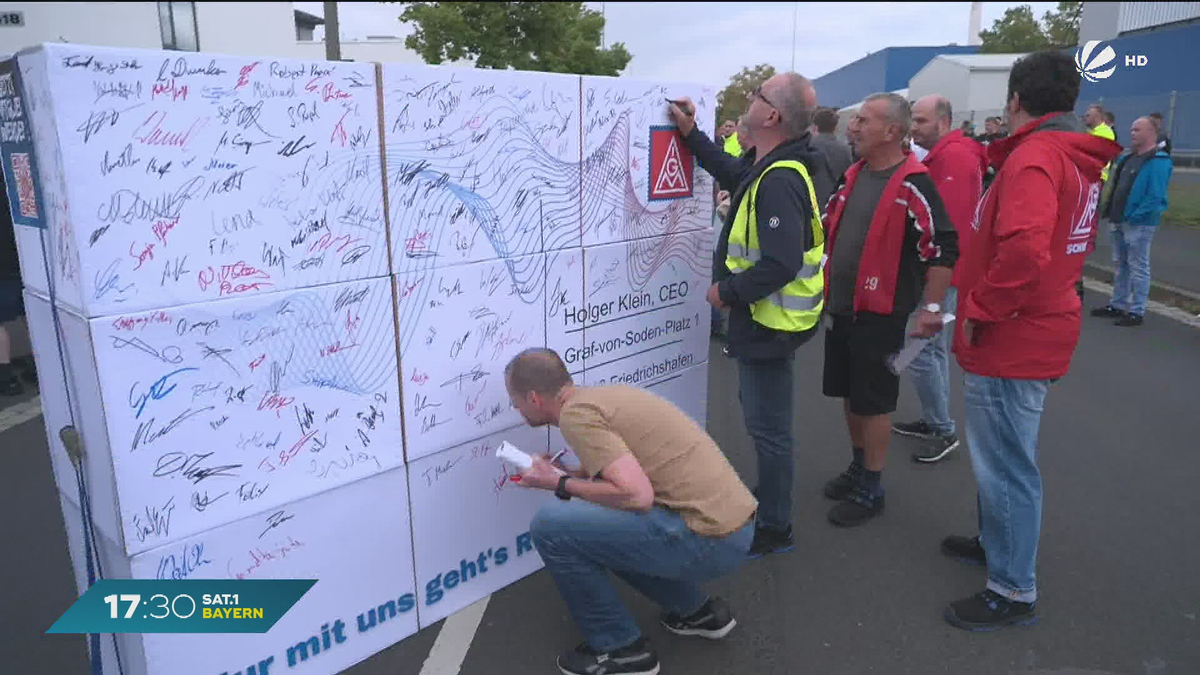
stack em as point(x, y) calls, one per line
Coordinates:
point(703, 632)
point(914, 434)
point(939, 456)
point(952, 619)
point(864, 521)
point(785, 549)
point(652, 671)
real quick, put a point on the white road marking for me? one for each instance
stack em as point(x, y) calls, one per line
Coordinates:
point(1151, 305)
point(20, 413)
point(450, 649)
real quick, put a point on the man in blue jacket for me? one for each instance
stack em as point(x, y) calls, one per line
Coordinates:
point(1134, 207)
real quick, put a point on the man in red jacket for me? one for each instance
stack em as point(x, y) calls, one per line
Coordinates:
point(1019, 323)
point(956, 166)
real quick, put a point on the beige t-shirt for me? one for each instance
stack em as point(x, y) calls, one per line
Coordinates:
point(689, 473)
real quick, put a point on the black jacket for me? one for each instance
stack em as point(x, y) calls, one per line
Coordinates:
point(782, 195)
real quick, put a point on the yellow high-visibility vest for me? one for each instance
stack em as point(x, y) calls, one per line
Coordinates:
point(732, 146)
point(797, 306)
point(1103, 131)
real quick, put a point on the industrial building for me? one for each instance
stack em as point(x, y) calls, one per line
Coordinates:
point(975, 84)
point(885, 70)
point(1153, 44)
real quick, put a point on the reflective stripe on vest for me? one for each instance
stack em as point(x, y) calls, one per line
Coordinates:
point(797, 306)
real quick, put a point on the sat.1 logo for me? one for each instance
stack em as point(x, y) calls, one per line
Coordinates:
point(1091, 63)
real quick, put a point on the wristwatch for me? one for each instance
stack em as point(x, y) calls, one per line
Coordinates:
point(561, 490)
point(933, 307)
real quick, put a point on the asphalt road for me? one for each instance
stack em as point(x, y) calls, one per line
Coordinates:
point(1117, 573)
point(1174, 256)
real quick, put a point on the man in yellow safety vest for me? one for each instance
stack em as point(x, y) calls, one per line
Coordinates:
point(767, 268)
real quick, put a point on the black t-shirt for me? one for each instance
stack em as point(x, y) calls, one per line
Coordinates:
point(9, 267)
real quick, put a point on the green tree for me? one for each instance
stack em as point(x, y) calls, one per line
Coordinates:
point(1018, 31)
point(732, 100)
point(556, 37)
point(1062, 27)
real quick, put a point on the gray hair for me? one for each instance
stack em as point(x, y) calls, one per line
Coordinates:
point(794, 106)
point(899, 112)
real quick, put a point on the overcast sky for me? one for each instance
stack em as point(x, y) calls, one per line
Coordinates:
point(708, 43)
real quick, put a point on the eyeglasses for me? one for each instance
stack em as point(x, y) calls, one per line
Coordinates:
point(758, 92)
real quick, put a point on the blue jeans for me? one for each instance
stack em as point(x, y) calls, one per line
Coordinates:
point(1002, 418)
point(765, 392)
point(931, 374)
point(1131, 257)
point(654, 552)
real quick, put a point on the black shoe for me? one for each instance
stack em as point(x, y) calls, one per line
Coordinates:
point(918, 429)
point(769, 540)
point(712, 621)
point(840, 486)
point(989, 611)
point(936, 449)
point(636, 659)
point(1129, 321)
point(1107, 312)
point(858, 507)
point(966, 550)
point(9, 384)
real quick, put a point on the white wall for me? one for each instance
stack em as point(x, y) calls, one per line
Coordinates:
point(247, 28)
point(945, 77)
point(116, 24)
point(988, 89)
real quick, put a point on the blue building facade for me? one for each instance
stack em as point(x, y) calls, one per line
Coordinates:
point(885, 70)
point(1167, 83)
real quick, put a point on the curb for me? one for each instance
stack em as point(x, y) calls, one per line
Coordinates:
point(1162, 292)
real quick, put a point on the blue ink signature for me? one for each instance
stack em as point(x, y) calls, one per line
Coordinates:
point(190, 558)
point(156, 392)
point(108, 280)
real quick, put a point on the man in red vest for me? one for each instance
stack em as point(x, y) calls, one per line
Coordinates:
point(890, 242)
point(1018, 323)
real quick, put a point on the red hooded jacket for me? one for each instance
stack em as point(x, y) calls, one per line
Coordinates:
point(956, 166)
point(1030, 236)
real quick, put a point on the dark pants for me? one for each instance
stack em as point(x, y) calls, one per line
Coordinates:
point(765, 392)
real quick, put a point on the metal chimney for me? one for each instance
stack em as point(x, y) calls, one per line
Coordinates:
point(976, 23)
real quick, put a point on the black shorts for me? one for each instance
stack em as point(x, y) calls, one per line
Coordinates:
point(856, 352)
point(12, 304)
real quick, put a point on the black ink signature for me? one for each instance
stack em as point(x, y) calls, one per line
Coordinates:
point(169, 354)
point(275, 520)
point(188, 466)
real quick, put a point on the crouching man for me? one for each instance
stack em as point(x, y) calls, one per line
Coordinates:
point(655, 502)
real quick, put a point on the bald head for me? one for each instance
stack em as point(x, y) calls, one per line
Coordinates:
point(1143, 135)
point(537, 370)
point(796, 100)
point(931, 117)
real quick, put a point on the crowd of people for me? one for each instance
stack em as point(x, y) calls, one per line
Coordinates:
point(880, 244)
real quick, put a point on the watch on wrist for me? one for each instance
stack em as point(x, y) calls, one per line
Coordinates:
point(561, 490)
point(933, 307)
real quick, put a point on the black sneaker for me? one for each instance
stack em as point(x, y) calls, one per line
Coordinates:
point(712, 621)
point(858, 507)
point(936, 449)
point(636, 659)
point(1107, 312)
point(1129, 321)
point(918, 429)
point(966, 550)
point(989, 611)
point(9, 384)
point(840, 486)
point(769, 540)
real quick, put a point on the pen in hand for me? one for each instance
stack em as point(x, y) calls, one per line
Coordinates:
point(686, 111)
